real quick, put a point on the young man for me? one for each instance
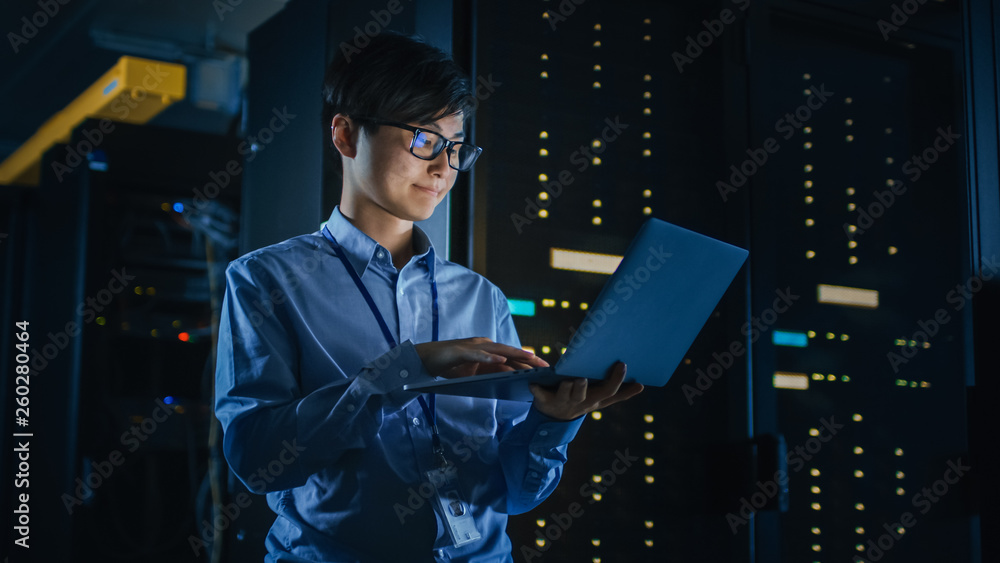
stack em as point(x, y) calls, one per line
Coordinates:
point(320, 333)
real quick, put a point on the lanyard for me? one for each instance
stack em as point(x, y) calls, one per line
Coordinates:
point(430, 412)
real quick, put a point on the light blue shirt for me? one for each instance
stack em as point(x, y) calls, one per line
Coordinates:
point(310, 398)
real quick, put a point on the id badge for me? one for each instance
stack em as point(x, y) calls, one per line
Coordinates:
point(458, 516)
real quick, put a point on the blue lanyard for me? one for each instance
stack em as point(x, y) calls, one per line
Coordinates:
point(430, 412)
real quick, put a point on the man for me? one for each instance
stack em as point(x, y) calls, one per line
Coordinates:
point(320, 333)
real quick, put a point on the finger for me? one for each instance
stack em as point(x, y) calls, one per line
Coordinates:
point(610, 386)
point(630, 390)
point(512, 353)
point(579, 391)
point(519, 365)
point(565, 391)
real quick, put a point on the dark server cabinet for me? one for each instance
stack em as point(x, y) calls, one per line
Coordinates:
point(120, 251)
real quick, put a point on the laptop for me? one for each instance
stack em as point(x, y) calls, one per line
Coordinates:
point(647, 315)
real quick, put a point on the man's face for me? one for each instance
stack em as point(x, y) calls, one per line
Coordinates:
point(386, 173)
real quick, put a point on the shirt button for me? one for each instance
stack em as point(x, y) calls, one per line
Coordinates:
point(403, 373)
point(350, 408)
point(416, 421)
point(381, 254)
point(543, 433)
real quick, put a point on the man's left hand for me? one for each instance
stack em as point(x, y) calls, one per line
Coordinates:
point(575, 398)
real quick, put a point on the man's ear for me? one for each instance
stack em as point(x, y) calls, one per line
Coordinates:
point(344, 132)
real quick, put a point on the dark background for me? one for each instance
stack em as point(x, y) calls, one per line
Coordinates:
point(699, 92)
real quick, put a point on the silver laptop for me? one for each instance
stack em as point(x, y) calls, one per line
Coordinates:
point(647, 315)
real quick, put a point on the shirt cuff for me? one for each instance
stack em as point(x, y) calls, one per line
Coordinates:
point(547, 432)
point(390, 372)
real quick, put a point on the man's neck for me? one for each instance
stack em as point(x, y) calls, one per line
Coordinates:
point(393, 233)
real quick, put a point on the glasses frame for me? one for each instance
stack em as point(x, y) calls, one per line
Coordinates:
point(447, 146)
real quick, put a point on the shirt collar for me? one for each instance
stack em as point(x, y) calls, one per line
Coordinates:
point(361, 249)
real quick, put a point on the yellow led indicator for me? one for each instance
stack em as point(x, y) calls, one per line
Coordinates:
point(815, 530)
point(649, 524)
point(809, 199)
point(648, 435)
point(544, 74)
point(899, 452)
point(817, 377)
point(848, 100)
point(859, 530)
point(543, 177)
point(649, 479)
point(808, 184)
point(856, 417)
point(584, 306)
point(540, 522)
point(546, 349)
point(540, 542)
point(648, 461)
point(101, 321)
point(647, 193)
point(545, 57)
point(816, 547)
point(852, 244)
point(851, 207)
point(596, 203)
point(543, 213)
point(649, 543)
point(596, 415)
point(595, 542)
point(564, 304)
point(647, 210)
point(596, 478)
point(646, 77)
point(893, 250)
point(808, 167)
point(814, 490)
point(850, 191)
point(900, 491)
point(597, 44)
point(813, 432)
point(852, 260)
point(596, 220)
point(810, 222)
point(596, 161)
point(647, 417)
point(543, 152)
point(807, 145)
point(543, 196)
point(810, 254)
point(597, 68)
point(814, 472)
point(811, 334)
point(548, 302)
point(597, 27)
point(849, 138)
point(646, 96)
point(646, 38)
point(815, 506)
point(858, 450)
point(858, 473)
point(647, 152)
point(807, 130)
point(647, 111)
point(543, 135)
point(596, 85)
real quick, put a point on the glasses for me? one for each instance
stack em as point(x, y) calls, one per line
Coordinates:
point(427, 145)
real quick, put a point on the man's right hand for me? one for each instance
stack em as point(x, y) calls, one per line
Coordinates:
point(474, 356)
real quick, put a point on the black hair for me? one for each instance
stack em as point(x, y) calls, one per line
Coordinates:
point(394, 77)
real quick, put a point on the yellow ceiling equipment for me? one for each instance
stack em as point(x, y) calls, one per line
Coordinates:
point(133, 91)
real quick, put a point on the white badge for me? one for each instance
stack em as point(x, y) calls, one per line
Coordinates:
point(461, 524)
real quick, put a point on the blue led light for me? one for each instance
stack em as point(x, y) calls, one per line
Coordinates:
point(789, 338)
point(168, 400)
point(523, 307)
point(110, 87)
point(179, 207)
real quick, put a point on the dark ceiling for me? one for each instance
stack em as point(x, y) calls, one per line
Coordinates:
point(46, 66)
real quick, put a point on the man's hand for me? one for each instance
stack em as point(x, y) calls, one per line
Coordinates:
point(573, 399)
point(474, 356)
